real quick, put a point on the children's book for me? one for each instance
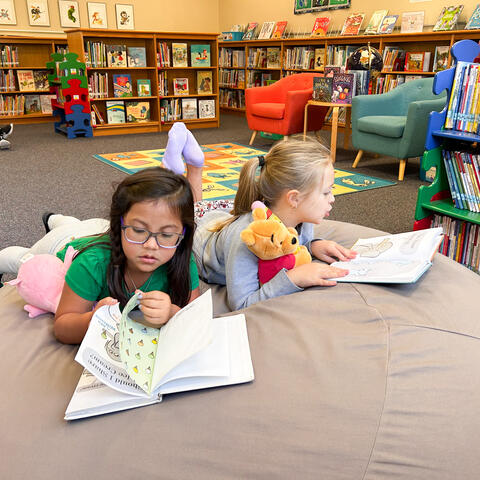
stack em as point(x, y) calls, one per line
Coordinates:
point(144, 87)
point(122, 85)
point(342, 89)
point(388, 24)
point(115, 111)
point(40, 77)
point(32, 104)
point(46, 103)
point(319, 58)
point(440, 60)
point(266, 31)
point(331, 71)
point(320, 26)
point(179, 55)
point(375, 22)
point(189, 108)
point(180, 86)
point(273, 57)
point(448, 18)
point(204, 82)
point(206, 108)
point(322, 89)
point(279, 29)
point(130, 365)
point(97, 113)
point(474, 20)
point(136, 57)
point(200, 55)
point(137, 112)
point(400, 258)
point(412, 22)
point(250, 31)
point(352, 24)
point(26, 80)
point(117, 55)
point(414, 61)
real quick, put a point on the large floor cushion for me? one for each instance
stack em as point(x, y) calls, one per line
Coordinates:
point(268, 110)
point(386, 126)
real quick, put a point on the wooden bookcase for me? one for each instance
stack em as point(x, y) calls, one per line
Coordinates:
point(33, 54)
point(77, 40)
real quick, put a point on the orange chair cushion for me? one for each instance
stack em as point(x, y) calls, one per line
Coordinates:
point(268, 110)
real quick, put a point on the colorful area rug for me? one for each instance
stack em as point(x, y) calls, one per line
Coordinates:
point(223, 162)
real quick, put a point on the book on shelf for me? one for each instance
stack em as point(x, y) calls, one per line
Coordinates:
point(200, 55)
point(129, 365)
point(144, 87)
point(279, 30)
point(266, 30)
point(136, 57)
point(32, 104)
point(117, 56)
point(98, 114)
point(206, 108)
point(412, 22)
point(342, 89)
point(417, 61)
point(26, 80)
point(122, 85)
point(440, 60)
point(204, 82)
point(388, 24)
point(375, 22)
point(40, 78)
point(448, 18)
point(180, 86)
point(250, 31)
point(46, 103)
point(474, 20)
point(399, 258)
point(273, 57)
point(137, 112)
point(163, 55)
point(361, 80)
point(322, 89)
point(331, 71)
point(179, 55)
point(115, 111)
point(189, 108)
point(320, 26)
point(319, 56)
point(352, 24)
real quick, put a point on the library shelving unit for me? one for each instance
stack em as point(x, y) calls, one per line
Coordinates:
point(436, 198)
point(77, 42)
point(24, 53)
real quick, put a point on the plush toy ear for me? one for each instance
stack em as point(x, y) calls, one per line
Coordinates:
point(258, 204)
point(13, 282)
point(69, 254)
point(248, 237)
point(259, 214)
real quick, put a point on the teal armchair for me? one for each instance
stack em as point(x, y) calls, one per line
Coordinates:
point(395, 123)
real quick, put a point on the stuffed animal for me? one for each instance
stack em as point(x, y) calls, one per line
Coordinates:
point(40, 281)
point(275, 245)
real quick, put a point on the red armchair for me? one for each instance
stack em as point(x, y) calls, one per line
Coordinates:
point(279, 108)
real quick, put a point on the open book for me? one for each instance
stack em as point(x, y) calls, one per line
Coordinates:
point(400, 258)
point(129, 365)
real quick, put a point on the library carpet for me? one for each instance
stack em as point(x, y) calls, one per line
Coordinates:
point(223, 162)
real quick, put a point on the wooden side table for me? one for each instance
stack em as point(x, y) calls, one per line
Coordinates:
point(348, 128)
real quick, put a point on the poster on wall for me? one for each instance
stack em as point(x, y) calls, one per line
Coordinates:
point(7, 13)
point(38, 13)
point(302, 6)
point(69, 14)
point(124, 14)
point(97, 15)
point(306, 6)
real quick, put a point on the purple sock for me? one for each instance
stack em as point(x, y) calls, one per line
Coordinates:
point(192, 153)
point(172, 158)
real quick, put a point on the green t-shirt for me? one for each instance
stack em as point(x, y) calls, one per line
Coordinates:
point(87, 275)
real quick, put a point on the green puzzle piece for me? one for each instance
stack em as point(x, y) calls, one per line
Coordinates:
point(75, 68)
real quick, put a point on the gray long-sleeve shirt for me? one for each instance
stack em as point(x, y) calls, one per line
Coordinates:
point(224, 259)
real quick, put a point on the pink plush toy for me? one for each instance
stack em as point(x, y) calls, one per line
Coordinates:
point(40, 282)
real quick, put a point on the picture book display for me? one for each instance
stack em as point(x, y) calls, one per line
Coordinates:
point(117, 56)
point(137, 111)
point(266, 31)
point(179, 55)
point(412, 22)
point(388, 24)
point(115, 111)
point(136, 57)
point(352, 24)
point(273, 57)
point(416, 61)
point(180, 86)
point(474, 20)
point(331, 71)
point(26, 80)
point(250, 31)
point(342, 89)
point(279, 29)
point(448, 18)
point(206, 108)
point(375, 22)
point(322, 89)
point(399, 258)
point(189, 108)
point(32, 104)
point(144, 88)
point(122, 85)
point(204, 82)
point(46, 103)
point(440, 61)
point(129, 365)
point(40, 78)
point(320, 26)
point(200, 55)
point(319, 58)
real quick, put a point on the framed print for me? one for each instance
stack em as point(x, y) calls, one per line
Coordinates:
point(69, 14)
point(97, 15)
point(7, 13)
point(124, 14)
point(37, 11)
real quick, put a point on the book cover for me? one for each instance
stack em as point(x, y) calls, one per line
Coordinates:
point(122, 85)
point(189, 108)
point(136, 57)
point(137, 111)
point(40, 78)
point(204, 82)
point(319, 58)
point(266, 31)
point(412, 22)
point(342, 89)
point(440, 60)
point(448, 18)
point(474, 20)
point(388, 24)
point(32, 104)
point(320, 26)
point(200, 55)
point(144, 88)
point(375, 22)
point(250, 31)
point(273, 57)
point(115, 111)
point(352, 24)
point(330, 71)
point(180, 86)
point(322, 89)
point(98, 114)
point(279, 29)
point(414, 61)
point(179, 55)
point(46, 103)
point(117, 56)
point(26, 80)
point(206, 108)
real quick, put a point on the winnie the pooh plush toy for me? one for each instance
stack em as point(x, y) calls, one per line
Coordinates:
point(275, 245)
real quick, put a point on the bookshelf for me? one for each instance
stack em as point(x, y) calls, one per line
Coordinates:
point(159, 74)
point(19, 54)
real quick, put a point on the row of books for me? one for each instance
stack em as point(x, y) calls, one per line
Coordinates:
point(230, 57)
point(186, 109)
point(460, 241)
point(28, 81)
point(256, 78)
point(232, 98)
point(9, 56)
point(264, 57)
point(338, 54)
point(25, 104)
point(463, 173)
point(199, 55)
point(303, 58)
point(98, 85)
point(389, 82)
point(232, 78)
point(119, 111)
point(162, 83)
point(163, 55)
point(269, 30)
point(463, 113)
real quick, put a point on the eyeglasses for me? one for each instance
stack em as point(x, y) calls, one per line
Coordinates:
point(141, 235)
